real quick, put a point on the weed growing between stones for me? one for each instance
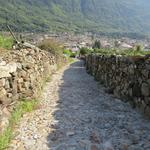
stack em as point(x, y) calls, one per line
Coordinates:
point(22, 107)
point(48, 79)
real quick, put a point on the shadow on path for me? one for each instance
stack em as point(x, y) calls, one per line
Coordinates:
point(86, 118)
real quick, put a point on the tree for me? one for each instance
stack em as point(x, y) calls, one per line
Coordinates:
point(97, 44)
point(138, 48)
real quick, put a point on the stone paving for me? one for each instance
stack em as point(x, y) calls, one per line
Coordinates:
point(76, 114)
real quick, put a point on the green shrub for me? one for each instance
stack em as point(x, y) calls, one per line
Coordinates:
point(67, 52)
point(6, 42)
point(127, 52)
point(97, 45)
point(138, 48)
point(73, 55)
point(103, 51)
point(85, 51)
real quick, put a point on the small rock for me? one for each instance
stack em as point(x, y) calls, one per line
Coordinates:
point(6, 112)
point(14, 142)
point(70, 133)
point(2, 92)
point(125, 147)
point(94, 147)
point(2, 63)
point(83, 143)
point(108, 146)
point(2, 82)
point(95, 138)
point(35, 136)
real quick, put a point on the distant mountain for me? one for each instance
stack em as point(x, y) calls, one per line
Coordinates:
point(104, 16)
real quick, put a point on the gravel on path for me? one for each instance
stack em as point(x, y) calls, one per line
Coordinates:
point(76, 114)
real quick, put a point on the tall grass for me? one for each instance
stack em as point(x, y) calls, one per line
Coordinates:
point(52, 46)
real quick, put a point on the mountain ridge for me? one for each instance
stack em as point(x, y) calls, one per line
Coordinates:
point(109, 16)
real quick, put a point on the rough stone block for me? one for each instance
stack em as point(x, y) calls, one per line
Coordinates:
point(136, 90)
point(2, 82)
point(12, 67)
point(2, 63)
point(145, 88)
point(20, 80)
point(3, 92)
point(4, 73)
point(7, 84)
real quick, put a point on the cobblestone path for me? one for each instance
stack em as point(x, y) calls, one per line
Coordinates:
point(77, 114)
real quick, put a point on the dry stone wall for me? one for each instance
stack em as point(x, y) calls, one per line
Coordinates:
point(126, 77)
point(22, 73)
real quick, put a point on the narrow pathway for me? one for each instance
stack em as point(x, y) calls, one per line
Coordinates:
point(77, 114)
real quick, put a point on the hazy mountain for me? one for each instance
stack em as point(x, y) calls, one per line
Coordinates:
point(107, 16)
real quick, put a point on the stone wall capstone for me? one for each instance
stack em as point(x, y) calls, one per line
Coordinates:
point(22, 73)
point(127, 78)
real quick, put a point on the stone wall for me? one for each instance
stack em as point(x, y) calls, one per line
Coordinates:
point(126, 77)
point(21, 76)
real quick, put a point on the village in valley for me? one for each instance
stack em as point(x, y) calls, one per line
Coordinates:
point(75, 42)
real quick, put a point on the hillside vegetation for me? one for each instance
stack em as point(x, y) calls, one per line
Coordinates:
point(105, 16)
point(137, 51)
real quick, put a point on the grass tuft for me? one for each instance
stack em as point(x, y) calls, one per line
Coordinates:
point(6, 42)
point(23, 107)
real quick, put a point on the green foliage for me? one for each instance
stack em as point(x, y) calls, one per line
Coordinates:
point(107, 17)
point(6, 42)
point(103, 51)
point(5, 138)
point(85, 51)
point(128, 52)
point(138, 48)
point(21, 108)
point(73, 55)
point(67, 52)
point(97, 44)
